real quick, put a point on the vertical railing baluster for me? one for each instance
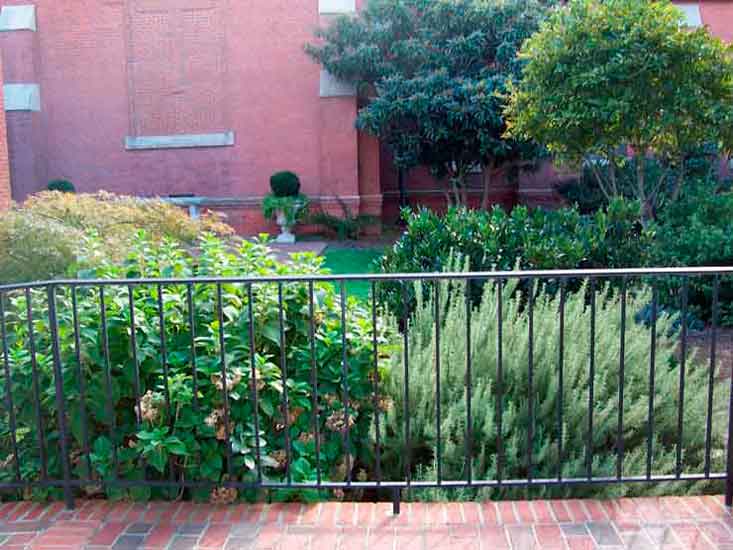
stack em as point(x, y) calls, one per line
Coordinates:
point(345, 384)
point(82, 383)
point(530, 380)
point(109, 406)
point(729, 447)
point(166, 373)
point(561, 381)
point(164, 355)
point(499, 381)
point(314, 382)
point(375, 346)
point(191, 307)
point(683, 368)
point(438, 448)
point(253, 379)
point(9, 390)
point(36, 386)
point(652, 382)
point(591, 380)
point(224, 385)
point(58, 376)
point(135, 363)
point(469, 389)
point(711, 373)
point(621, 382)
point(191, 311)
point(284, 371)
point(406, 360)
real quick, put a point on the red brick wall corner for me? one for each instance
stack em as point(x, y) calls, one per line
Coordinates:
point(5, 191)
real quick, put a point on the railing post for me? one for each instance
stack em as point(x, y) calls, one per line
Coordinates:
point(396, 498)
point(729, 447)
point(59, 384)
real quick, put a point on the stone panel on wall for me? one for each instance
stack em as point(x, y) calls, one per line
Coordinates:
point(176, 67)
point(18, 18)
point(180, 141)
point(330, 86)
point(22, 97)
point(328, 7)
point(691, 11)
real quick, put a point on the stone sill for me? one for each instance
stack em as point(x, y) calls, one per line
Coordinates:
point(180, 141)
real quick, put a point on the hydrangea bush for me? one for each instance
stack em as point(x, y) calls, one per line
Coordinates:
point(153, 405)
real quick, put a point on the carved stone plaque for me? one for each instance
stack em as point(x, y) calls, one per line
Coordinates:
point(176, 67)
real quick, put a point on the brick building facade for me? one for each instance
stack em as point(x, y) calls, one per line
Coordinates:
point(201, 100)
point(5, 190)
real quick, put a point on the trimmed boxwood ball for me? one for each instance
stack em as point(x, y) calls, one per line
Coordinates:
point(285, 184)
point(64, 186)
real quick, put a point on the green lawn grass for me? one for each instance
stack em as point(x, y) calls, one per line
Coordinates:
point(349, 261)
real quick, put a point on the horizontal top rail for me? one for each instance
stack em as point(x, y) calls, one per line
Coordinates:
point(545, 274)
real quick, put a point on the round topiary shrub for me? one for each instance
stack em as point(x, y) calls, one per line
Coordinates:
point(64, 186)
point(285, 184)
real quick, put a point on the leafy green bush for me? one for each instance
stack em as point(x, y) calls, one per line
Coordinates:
point(177, 430)
point(346, 226)
point(285, 184)
point(586, 193)
point(523, 238)
point(545, 394)
point(35, 247)
point(64, 186)
point(293, 207)
point(696, 230)
point(47, 236)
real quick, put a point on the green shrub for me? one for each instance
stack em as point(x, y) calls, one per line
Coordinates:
point(696, 231)
point(285, 184)
point(188, 440)
point(47, 236)
point(64, 186)
point(524, 239)
point(346, 226)
point(36, 247)
point(545, 392)
point(293, 207)
point(585, 191)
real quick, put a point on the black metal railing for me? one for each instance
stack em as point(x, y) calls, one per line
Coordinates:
point(76, 352)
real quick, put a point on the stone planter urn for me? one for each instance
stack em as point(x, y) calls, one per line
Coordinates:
point(286, 235)
point(285, 205)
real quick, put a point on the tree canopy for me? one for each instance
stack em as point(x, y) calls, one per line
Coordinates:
point(622, 81)
point(434, 75)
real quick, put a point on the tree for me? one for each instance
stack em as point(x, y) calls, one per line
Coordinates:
point(608, 82)
point(433, 75)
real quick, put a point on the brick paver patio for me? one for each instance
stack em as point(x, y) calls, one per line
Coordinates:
point(673, 522)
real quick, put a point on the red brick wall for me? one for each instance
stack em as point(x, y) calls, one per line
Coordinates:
point(264, 88)
point(240, 68)
point(718, 16)
point(5, 191)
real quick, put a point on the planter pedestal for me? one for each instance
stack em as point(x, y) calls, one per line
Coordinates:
point(286, 236)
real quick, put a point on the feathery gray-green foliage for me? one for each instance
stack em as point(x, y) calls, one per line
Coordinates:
point(545, 393)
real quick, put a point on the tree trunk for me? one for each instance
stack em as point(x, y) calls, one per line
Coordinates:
point(457, 180)
point(612, 175)
point(646, 211)
point(679, 182)
point(486, 177)
point(599, 180)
